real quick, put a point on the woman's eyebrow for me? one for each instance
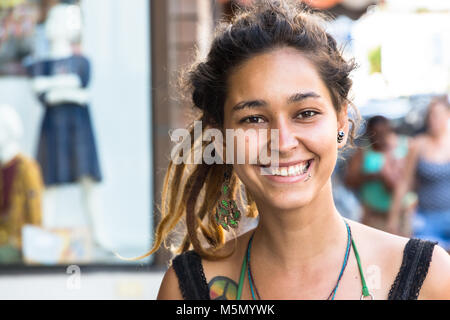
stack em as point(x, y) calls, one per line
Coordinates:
point(296, 97)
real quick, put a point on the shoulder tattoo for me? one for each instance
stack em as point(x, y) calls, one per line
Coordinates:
point(222, 288)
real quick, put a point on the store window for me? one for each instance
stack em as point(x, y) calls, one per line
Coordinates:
point(75, 132)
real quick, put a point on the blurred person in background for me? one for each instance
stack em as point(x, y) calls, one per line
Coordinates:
point(374, 172)
point(428, 172)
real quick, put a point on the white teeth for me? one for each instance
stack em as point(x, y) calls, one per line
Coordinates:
point(290, 171)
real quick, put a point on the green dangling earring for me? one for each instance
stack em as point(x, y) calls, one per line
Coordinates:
point(227, 212)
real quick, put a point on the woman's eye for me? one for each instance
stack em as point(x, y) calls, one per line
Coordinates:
point(307, 114)
point(251, 119)
point(257, 119)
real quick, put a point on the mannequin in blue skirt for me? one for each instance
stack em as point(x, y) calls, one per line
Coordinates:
point(67, 150)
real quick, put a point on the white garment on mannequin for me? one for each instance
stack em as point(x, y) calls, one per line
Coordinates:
point(60, 48)
point(61, 88)
point(42, 84)
point(76, 95)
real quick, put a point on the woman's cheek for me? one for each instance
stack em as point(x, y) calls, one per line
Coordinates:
point(249, 147)
point(323, 138)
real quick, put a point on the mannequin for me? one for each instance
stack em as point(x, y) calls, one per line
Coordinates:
point(20, 187)
point(62, 27)
point(67, 150)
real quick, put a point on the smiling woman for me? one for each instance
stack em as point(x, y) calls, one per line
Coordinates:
point(274, 67)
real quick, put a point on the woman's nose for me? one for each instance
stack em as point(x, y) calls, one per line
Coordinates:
point(287, 136)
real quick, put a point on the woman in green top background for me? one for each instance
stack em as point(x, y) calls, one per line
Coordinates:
point(374, 172)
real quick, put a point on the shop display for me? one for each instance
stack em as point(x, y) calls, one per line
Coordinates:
point(82, 207)
point(20, 188)
point(67, 149)
point(55, 246)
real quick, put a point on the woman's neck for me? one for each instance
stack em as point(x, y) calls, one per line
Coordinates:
point(302, 236)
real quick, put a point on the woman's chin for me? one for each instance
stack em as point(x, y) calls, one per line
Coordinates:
point(288, 201)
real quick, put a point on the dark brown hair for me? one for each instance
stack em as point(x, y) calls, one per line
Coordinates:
point(191, 192)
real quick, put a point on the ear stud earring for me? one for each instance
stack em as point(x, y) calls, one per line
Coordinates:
point(340, 137)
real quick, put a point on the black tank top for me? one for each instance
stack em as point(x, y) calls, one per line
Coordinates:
point(416, 261)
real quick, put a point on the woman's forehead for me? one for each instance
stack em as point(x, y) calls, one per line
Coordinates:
point(274, 75)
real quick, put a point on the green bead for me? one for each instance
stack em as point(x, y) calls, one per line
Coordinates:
point(225, 203)
point(237, 214)
point(225, 189)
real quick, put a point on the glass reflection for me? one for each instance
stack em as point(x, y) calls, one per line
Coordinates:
point(58, 203)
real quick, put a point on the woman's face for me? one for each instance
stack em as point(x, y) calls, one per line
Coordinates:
point(379, 135)
point(282, 90)
point(438, 116)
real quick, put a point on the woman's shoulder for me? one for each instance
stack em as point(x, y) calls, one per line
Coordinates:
point(169, 288)
point(190, 275)
point(419, 141)
point(437, 283)
point(184, 279)
point(399, 258)
point(380, 248)
point(229, 266)
point(376, 239)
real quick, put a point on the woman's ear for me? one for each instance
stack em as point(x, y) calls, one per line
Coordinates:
point(219, 142)
point(343, 124)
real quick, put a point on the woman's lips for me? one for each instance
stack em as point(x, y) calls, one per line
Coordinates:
point(286, 179)
point(287, 164)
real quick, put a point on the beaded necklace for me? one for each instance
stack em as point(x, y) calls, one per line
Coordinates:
point(253, 289)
